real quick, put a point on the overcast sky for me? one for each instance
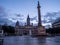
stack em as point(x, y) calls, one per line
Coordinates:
point(25, 7)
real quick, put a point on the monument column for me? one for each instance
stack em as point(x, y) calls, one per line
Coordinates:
point(39, 15)
point(41, 29)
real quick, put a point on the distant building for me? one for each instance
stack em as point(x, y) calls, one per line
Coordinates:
point(56, 23)
point(29, 29)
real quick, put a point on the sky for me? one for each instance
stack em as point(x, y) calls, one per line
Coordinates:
point(19, 9)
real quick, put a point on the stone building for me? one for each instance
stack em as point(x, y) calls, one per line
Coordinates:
point(30, 29)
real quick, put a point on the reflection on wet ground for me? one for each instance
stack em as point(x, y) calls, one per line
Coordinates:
point(1, 41)
point(27, 40)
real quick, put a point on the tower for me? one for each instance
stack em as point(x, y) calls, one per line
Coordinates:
point(39, 15)
point(28, 20)
point(17, 28)
point(17, 23)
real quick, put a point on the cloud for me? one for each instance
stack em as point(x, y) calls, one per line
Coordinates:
point(4, 18)
point(34, 18)
point(51, 17)
point(53, 14)
point(11, 19)
point(19, 15)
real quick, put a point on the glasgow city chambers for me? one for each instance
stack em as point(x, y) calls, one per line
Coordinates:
point(29, 29)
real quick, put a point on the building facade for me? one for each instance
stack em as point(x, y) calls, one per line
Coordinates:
point(30, 29)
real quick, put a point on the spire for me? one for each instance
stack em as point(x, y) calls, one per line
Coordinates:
point(39, 14)
point(38, 5)
point(38, 2)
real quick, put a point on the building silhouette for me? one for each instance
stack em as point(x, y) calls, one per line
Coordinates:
point(29, 29)
point(28, 21)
